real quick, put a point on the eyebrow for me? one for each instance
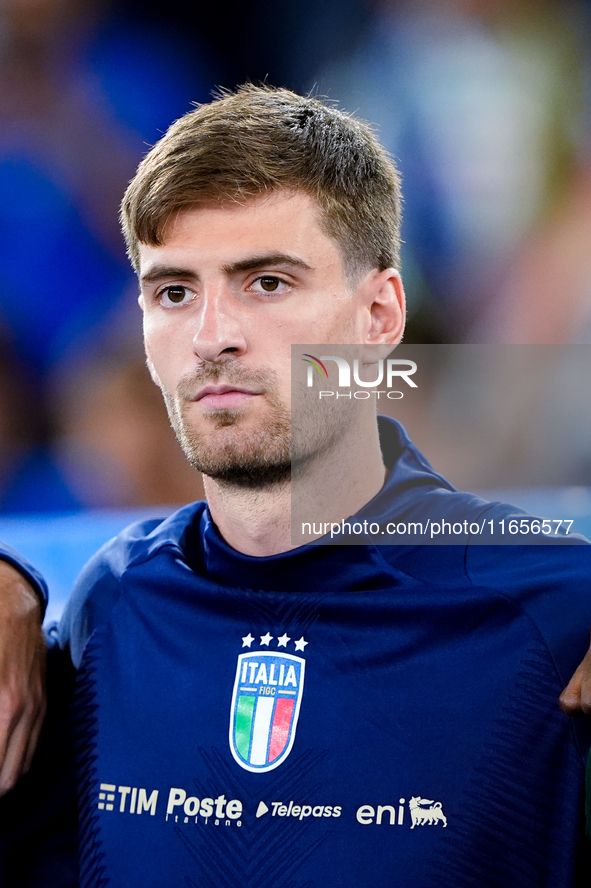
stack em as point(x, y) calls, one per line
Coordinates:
point(161, 272)
point(266, 259)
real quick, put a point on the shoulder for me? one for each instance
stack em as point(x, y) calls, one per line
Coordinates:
point(549, 583)
point(27, 570)
point(99, 585)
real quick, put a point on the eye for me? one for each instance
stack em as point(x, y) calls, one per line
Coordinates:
point(175, 294)
point(268, 283)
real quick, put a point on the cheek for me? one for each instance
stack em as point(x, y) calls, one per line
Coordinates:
point(163, 348)
point(151, 352)
point(339, 323)
point(342, 331)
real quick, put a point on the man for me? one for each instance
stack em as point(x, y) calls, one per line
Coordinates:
point(250, 712)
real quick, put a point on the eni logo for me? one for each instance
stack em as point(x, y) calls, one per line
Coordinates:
point(421, 815)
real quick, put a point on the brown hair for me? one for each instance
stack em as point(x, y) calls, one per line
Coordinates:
point(262, 139)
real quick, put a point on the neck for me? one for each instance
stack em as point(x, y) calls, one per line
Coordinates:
point(330, 488)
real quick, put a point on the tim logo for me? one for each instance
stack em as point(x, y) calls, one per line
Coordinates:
point(265, 707)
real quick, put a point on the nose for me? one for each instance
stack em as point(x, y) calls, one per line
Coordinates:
point(219, 333)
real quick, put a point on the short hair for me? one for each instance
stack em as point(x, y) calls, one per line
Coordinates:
point(262, 139)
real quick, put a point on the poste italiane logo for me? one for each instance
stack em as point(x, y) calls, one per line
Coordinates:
point(266, 703)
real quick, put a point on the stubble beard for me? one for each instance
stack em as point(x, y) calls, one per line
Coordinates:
point(252, 459)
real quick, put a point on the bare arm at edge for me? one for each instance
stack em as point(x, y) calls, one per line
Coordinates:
point(576, 697)
point(22, 675)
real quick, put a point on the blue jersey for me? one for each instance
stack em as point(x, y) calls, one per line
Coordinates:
point(334, 715)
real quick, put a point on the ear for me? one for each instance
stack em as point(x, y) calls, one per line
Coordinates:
point(386, 305)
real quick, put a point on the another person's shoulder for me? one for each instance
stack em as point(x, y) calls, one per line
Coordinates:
point(140, 542)
point(30, 574)
point(99, 585)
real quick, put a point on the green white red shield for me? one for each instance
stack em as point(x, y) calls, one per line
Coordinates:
point(265, 708)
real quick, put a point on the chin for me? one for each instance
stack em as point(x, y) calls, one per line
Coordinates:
point(220, 419)
point(230, 454)
point(245, 463)
point(233, 446)
point(253, 476)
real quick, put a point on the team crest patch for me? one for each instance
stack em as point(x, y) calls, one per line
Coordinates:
point(265, 707)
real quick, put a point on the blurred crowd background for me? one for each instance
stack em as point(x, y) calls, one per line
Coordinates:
point(485, 104)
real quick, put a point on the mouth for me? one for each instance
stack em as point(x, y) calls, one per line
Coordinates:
point(224, 397)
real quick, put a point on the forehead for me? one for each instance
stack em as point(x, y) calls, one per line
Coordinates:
point(282, 222)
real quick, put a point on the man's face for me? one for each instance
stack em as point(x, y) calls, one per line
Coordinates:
point(224, 298)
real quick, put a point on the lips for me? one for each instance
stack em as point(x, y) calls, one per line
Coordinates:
point(220, 397)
